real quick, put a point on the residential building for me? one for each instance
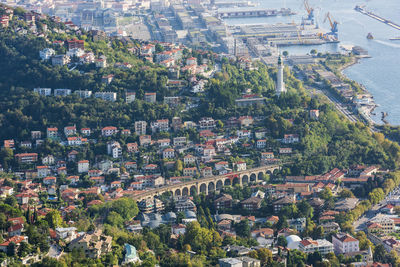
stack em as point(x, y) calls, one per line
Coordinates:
point(106, 96)
point(323, 246)
point(140, 127)
point(230, 262)
point(17, 240)
point(145, 140)
point(166, 142)
point(183, 204)
point(172, 101)
point(46, 53)
point(70, 130)
point(130, 97)
point(36, 135)
point(43, 171)
point(151, 205)
point(206, 172)
point(179, 141)
point(207, 124)
point(74, 43)
point(150, 97)
point(192, 171)
point(83, 93)
point(290, 138)
point(109, 131)
point(168, 153)
point(52, 132)
point(298, 224)
point(381, 224)
point(60, 60)
point(160, 126)
point(189, 159)
point(26, 157)
point(86, 131)
point(93, 245)
point(223, 202)
point(282, 202)
point(62, 92)
point(240, 166)
point(245, 121)
point(251, 204)
point(262, 143)
point(43, 91)
point(114, 149)
point(344, 243)
point(49, 180)
point(83, 166)
point(132, 147)
point(285, 150)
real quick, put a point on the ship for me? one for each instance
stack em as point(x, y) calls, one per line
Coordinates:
point(369, 36)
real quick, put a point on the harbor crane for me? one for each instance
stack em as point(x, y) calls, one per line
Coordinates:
point(333, 23)
point(310, 10)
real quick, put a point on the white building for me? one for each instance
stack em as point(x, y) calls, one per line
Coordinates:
point(130, 97)
point(107, 96)
point(43, 91)
point(84, 93)
point(168, 153)
point(323, 246)
point(230, 262)
point(46, 53)
point(114, 149)
point(140, 127)
point(62, 92)
point(83, 166)
point(344, 243)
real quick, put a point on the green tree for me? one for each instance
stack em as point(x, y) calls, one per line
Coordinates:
point(243, 228)
point(54, 219)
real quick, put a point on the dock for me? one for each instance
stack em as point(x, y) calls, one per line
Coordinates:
point(254, 12)
point(377, 17)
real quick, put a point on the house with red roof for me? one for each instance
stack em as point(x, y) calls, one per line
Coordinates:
point(109, 131)
point(344, 243)
point(16, 240)
point(50, 180)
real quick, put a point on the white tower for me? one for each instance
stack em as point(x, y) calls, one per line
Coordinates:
point(280, 85)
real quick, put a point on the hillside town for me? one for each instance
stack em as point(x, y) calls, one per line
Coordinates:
point(176, 183)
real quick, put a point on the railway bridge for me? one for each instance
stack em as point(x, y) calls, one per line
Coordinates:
point(210, 184)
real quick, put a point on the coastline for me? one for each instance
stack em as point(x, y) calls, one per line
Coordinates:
point(366, 113)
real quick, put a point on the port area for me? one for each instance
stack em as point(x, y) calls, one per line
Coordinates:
point(234, 3)
point(253, 12)
point(349, 97)
point(390, 23)
point(283, 34)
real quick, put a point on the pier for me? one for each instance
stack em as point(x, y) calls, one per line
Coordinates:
point(256, 12)
point(378, 18)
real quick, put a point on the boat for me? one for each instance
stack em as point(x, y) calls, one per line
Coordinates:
point(395, 39)
point(369, 36)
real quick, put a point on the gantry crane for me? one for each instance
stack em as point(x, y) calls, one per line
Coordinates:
point(333, 23)
point(310, 10)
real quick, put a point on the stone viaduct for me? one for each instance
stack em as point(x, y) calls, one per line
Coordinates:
point(210, 184)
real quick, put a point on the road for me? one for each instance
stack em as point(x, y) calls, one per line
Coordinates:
point(54, 251)
point(361, 223)
point(338, 105)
